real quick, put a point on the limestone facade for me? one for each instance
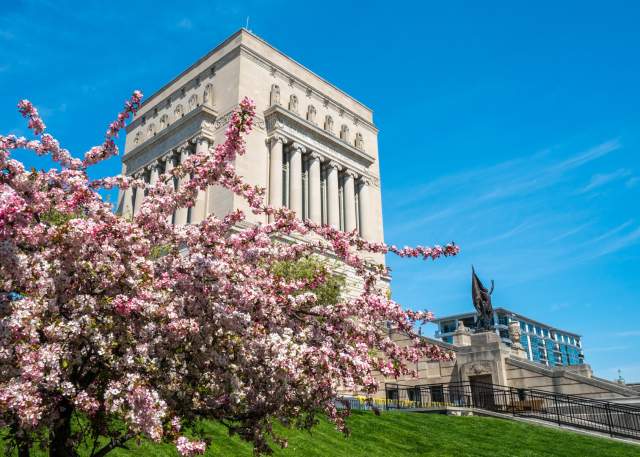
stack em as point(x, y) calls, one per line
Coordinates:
point(484, 356)
point(314, 148)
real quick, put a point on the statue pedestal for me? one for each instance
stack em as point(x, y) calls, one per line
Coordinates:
point(518, 351)
point(483, 359)
point(462, 336)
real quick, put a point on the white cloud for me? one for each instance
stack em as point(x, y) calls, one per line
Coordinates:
point(589, 155)
point(627, 333)
point(601, 179)
point(569, 232)
point(607, 348)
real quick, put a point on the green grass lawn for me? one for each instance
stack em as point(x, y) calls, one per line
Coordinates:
point(412, 434)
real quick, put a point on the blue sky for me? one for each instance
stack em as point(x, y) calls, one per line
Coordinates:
point(511, 128)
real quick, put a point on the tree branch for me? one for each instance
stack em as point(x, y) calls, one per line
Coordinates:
point(119, 442)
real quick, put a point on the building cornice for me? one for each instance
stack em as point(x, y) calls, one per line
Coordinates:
point(152, 101)
point(278, 119)
point(295, 81)
point(207, 114)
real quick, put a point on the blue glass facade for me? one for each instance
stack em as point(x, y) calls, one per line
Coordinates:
point(542, 343)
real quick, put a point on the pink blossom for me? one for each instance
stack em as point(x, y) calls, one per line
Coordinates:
point(189, 448)
point(153, 323)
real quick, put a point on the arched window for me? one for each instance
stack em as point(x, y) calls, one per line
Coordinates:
point(164, 121)
point(293, 103)
point(344, 133)
point(274, 97)
point(328, 124)
point(311, 114)
point(193, 102)
point(178, 111)
point(207, 96)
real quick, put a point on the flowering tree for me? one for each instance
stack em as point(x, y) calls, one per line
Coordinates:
point(140, 327)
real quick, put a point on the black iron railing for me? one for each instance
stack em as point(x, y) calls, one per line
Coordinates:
point(571, 410)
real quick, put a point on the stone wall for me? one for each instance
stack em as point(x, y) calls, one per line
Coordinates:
point(576, 380)
point(484, 354)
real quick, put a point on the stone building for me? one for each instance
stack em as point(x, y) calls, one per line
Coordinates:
point(485, 357)
point(314, 148)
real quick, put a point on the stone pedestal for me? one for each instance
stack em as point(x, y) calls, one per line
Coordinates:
point(483, 358)
point(518, 351)
point(462, 335)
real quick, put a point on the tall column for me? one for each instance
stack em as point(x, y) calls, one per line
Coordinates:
point(275, 171)
point(295, 178)
point(366, 218)
point(333, 195)
point(168, 166)
point(126, 203)
point(154, 173)
point(151, 170)
point(199, 211)
point(315, 192)
point(182, 212)
point(349, 201)
point(139, 195)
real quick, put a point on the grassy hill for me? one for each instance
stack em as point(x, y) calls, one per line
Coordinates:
point(407, 434)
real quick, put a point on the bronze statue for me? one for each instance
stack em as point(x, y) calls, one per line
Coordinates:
point(482, 302)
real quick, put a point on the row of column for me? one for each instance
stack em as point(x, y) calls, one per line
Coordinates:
point(132, 199)
point(276, 191)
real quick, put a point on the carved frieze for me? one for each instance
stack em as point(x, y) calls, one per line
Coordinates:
point(223, 121)
point(478, 368)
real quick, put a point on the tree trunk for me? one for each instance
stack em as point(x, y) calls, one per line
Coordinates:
point(23, 449)
point(21, 438)
point(60, 444)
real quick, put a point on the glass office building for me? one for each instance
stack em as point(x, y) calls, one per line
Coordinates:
point(543, 343)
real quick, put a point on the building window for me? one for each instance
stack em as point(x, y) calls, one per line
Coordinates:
point(344, 133)
point(311, 114)
point(414, 394)
point(469, 322)
point(437, 393)
point(392, 394)
point(524, 341)
point(328, 124)
point(293, 103)
point(448, 327)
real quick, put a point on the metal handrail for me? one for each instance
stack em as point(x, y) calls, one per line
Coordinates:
point(537, 391)
point(572, 410)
